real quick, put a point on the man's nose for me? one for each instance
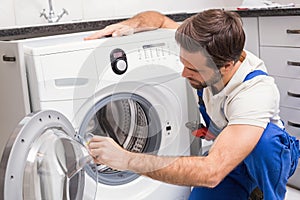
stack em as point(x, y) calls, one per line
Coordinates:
point(185, 73)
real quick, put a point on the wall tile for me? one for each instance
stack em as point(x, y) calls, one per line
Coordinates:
point(99, 9)
point(7, 13)
point(28, 11)
point(166, 6)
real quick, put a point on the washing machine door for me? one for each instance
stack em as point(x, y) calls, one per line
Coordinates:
point(43, 161)
point(131, 121)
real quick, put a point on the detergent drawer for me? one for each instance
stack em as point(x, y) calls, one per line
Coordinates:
point(62, 76)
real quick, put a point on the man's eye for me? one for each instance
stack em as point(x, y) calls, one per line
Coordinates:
point(194, 70)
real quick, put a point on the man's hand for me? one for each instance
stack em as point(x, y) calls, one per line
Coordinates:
point(144, 21)
point(115, 30)
point(106, 151)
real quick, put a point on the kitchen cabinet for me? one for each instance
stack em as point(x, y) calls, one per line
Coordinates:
point(279, 41)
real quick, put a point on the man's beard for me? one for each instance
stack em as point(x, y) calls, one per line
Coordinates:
point(216, 78)
point(199, 86)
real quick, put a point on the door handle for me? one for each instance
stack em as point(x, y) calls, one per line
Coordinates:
point(9, 58)
point(291, 94)
point(293, 63)
point(293, 124)
point(289, 31)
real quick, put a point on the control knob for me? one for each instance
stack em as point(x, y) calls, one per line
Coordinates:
point(118, 61)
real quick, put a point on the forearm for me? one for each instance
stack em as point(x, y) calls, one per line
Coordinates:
point(190, 171)
point(150, 20)
point(230, 148)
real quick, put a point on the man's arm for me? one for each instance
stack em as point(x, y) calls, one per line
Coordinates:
point(144, 21)
point(230, 148)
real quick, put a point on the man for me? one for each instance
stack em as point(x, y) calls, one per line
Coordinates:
point(250, 146)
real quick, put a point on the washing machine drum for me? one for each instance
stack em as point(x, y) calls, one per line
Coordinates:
point(131, 121)
point(43, 161)
point(124, 121)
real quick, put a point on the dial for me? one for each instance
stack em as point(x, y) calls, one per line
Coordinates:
point(118, 61)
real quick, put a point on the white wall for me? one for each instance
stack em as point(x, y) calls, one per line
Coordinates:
point(92, 9)
point(7, 13)
point(27, 12)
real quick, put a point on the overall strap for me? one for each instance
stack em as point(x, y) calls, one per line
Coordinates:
point(202, 108)
point(254, 74)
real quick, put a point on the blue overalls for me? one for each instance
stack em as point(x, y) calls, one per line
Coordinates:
point(268, 166)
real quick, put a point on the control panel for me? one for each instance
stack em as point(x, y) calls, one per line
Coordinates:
point(157, 51)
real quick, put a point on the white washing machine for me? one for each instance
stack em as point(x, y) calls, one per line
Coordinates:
point(128, 88)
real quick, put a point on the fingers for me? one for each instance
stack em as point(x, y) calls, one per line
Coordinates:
point(106, 151)
point(97, 147)
point(97, 35)
point(97, 138)
point(98, 142)
point(103, 147)
point(115, 30)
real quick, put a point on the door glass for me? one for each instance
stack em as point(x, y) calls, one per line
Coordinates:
point(124, 121)
point(55, 168)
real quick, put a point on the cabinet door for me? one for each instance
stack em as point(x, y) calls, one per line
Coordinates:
point(279, 31)
point(289, 92)
point(250, 25)
point(291, 117)
point(282, 61)
point(14, 101)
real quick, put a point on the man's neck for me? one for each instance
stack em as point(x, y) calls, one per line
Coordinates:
point(226, 77)
point(227, 74)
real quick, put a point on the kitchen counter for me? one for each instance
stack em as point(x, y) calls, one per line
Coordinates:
point(63, 28)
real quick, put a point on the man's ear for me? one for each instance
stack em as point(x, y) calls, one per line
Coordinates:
point(227, 67)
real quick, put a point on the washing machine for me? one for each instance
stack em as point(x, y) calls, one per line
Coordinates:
point(60, 90)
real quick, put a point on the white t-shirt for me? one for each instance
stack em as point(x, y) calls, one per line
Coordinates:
point(253, 102)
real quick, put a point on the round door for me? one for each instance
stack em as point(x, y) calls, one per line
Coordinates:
point(42, 160)
point(131, 121)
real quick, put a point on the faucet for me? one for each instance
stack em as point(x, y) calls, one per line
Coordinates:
point(52, 17)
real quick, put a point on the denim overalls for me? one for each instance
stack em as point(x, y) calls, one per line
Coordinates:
point(268, 166)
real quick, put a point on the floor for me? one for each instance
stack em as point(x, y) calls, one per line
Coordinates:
point(292, 194)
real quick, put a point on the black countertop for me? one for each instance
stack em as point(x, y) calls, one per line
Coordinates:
point(60, 28)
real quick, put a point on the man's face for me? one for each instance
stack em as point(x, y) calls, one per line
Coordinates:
point(196, 70)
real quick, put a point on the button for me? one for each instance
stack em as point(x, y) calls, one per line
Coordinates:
point(121, 65)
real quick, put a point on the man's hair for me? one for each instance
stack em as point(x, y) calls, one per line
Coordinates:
point(217, 33)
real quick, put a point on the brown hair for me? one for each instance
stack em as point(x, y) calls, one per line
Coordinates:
point(217, 33)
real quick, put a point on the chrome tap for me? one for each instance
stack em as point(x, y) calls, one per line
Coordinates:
point(52, 17)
